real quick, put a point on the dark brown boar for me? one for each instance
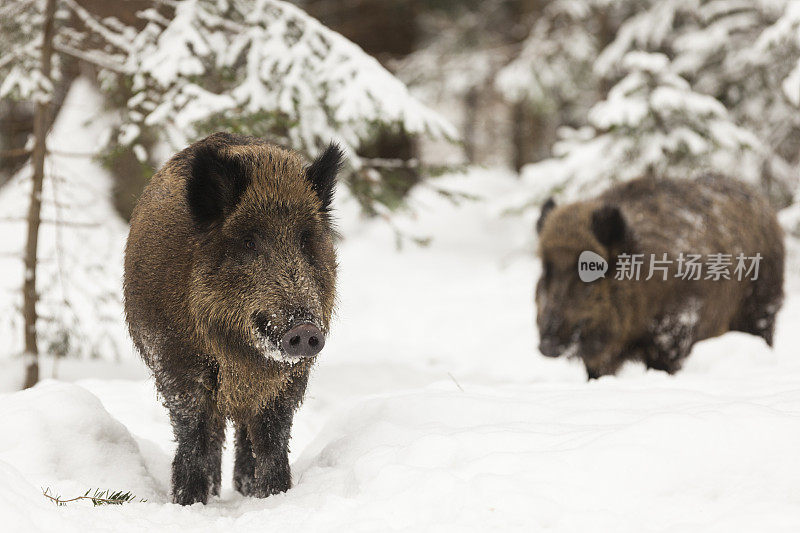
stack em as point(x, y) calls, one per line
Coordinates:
point(609, 320)
point(230, 277)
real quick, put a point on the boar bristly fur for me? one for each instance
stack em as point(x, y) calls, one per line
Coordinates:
point(656, 321)
point(231, 245)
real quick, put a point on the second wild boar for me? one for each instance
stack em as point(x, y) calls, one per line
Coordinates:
point(656, 321)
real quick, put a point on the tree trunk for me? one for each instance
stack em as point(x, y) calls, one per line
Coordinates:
point(471, 103)
point(518, 136)
point(40, 125)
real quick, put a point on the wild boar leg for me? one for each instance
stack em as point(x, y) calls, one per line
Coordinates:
point(604, 364)
point(269, 432)
point(200, 431)
point(244, 465)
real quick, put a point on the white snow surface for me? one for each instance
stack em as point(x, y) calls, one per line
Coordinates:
point(431, 410)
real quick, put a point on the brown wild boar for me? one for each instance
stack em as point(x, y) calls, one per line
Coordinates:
point(230, 278)
point(656, 321)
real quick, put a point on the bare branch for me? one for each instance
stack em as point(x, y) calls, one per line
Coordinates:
point(56, 222)
point(15, 152)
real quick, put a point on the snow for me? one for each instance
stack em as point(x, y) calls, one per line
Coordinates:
point(101, 450)
point(81, 241)
point(431, 410)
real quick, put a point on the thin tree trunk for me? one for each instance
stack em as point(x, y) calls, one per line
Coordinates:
point(518, 136)
point(471, 125)
point(40, 125)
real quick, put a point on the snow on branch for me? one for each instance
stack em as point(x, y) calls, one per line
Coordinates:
point(103, 43)
point(98, 497)
point(120, 40)
point(554, 65)
point(651, 123)
point(272, 69)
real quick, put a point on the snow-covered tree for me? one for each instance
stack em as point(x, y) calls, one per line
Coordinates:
point(651, 123)
point(264, 67)
point(33, 35)
point(552, 77)
point(775, 57)
point(79, 255)
point(553, 71)
point(465, 44)
point(740, 53)
point(73, 33)
point(691, 84)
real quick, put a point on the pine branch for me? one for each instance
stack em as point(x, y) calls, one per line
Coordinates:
point(19, 52)
point(14, 8)
point(90, 57)
point(100, 497)
point(123, 42)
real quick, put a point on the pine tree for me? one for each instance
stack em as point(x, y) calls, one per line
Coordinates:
point(651, 123)
point(722, 48)
point(774, 61)
point(730, 61)
point(266, 68)
point(553, 72)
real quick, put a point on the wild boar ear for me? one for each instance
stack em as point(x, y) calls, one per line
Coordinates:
point(322, 173)
point(608, 225)
point(215, 185)
point(548, 206)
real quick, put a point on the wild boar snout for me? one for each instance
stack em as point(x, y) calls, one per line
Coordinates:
point(303, 340)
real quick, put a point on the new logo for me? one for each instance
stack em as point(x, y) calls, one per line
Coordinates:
point(591, 266)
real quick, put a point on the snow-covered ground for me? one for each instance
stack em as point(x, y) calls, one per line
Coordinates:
point(431, 410)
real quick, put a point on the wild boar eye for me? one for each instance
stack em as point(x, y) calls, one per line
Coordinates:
point(250, 244)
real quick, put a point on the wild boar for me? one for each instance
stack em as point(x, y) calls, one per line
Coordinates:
point(230, 281)
point(657, 320)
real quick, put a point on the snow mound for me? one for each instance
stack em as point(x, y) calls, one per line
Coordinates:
point(19, 499)
point(61, 437)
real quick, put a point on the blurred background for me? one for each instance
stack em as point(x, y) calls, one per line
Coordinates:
point(493, 105)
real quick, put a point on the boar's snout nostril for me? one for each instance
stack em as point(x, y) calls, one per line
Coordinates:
point(303, 340)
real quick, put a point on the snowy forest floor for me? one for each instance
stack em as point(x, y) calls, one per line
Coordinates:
point(430, 409)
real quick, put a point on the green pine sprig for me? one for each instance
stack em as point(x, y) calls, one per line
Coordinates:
point(99, 497)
